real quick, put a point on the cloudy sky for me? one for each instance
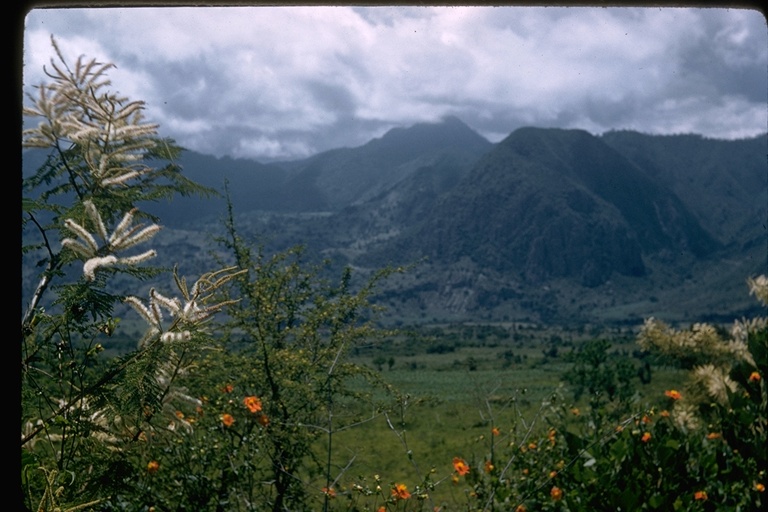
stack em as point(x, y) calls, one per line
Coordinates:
point(287, 82)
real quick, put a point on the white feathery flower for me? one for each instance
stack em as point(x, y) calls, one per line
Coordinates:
point(77, 247)
point(123, 226)
point(91, 265)
point(139, 258)
point(83, 234)
point(130, 240)
point(172, 305)
point(758, 287)
point(95, 217)
point(119, 180)
point(140, 308)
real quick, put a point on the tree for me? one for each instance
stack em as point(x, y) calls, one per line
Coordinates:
point(82, 415)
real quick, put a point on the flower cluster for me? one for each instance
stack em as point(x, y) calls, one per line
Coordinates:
point(102, 254)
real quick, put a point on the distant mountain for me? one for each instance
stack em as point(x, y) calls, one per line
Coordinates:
point(550, 203)
point(547, 225)
point(341, 177)
point(328, 181)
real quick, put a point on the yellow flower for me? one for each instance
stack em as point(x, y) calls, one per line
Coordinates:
point(488, 466)
point(673, 394)
point(252, 403)
point(153, 467)
point(759, 487)
point(227, 419)
point(460, 465)
point(556, 493)
point(552, 474)
point(400, 492)
point(700, 495)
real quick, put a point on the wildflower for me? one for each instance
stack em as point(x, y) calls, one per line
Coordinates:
point(455, 479)
point(531, 446)
point(526, 471)
point(646, 437)
point(575, 411)
point(488, 466)
point(153, 467)
point(227, 419)
point(700, 495)
point(556, 493)
point(460, 465)
point(645, 419)
point(673, 394)
point(521, 508)
point(400, 492)
point(759, 487)
point(551, 436)
point(180, 415)
point(664, 413)
point(227, 388)
point(495, 431)
point(329, 491)
point(552, 474)
point(754, 377)
point(252, 403)
point(381, 509)
point(713, 435)
point(263, 420)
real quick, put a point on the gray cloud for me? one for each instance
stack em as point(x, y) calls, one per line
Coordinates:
point(287, 82)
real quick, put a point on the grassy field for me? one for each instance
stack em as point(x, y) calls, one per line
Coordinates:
point(457, 393)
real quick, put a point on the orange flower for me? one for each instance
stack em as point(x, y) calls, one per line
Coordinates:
point(153, 467)
point(754, 377)
point(531, 446)
point(556, 493)
point(552, 474)
point(646, 437)
point(759, 487)
point(180, 415)
point(400, 492)
point(700, 495)
point(521, 508)
point(252, 403)
point(227, 419)
point(382, 509)
point(664, 413)
point(263, 420)
point(575, 411)
point(495, 431)
point(551, 436)
point(713, 435)
point(673, 394)
point(460, 465)
point(227, 388)
point(488, 466)
point(329, 491)
point(646, 419)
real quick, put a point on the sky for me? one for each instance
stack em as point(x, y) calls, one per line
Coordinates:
point(288, 82)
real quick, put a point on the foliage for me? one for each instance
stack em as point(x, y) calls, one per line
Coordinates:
point(237, 394)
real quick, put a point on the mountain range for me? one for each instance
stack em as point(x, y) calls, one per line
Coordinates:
point(547, 225)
